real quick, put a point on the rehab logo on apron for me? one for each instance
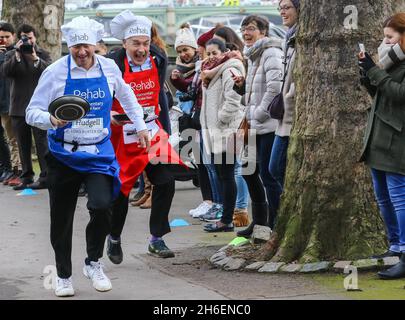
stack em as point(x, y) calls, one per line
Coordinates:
point(85, 145)
point(131, 158)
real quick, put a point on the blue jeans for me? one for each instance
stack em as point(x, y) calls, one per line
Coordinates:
point(278, 160)
point(273, 190)
point(185, 106)
point(389, 189)
point(242, 195)
point(141, 184)
point(212, 175)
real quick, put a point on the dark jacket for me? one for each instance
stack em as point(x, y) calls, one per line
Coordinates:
point(185, 85)
point(23, 78)
point(4, 86)
point(384, 141)
point(161, 63)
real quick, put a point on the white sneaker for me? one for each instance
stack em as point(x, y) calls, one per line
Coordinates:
point(202, 204)
point(64, 287)
point(95, 272)
point(203, 210)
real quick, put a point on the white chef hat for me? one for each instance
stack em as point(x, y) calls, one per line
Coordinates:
point(82, 30)
point(126, 25)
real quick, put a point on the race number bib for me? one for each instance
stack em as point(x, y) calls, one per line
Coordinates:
point(86, 131)
point(130, 135)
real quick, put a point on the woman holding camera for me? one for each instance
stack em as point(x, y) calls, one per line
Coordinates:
point(384, 143)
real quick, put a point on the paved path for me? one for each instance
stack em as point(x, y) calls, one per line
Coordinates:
point(25, 251)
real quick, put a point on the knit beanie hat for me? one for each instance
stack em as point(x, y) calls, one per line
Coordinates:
point(205, 37)
point(296, 4)
point(185, 37)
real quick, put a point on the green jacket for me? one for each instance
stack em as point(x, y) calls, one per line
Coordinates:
point(384, 141)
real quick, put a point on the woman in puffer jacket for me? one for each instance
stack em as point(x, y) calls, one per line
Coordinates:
point(262, 84)
point(289, 11)
point(221, 115)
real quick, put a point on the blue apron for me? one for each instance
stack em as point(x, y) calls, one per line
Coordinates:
point(85, 145)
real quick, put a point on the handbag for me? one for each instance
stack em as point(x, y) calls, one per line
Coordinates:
point(276, 106)
point(244, 128)
point(190, 121)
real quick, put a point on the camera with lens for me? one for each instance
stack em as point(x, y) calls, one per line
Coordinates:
point(188, 96)
point(26, 47)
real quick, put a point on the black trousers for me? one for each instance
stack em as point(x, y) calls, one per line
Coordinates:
point(205, 185)
point(64, 184)
point(162, 196)
point(5, 160)
point(226, 176)
point(24, 133)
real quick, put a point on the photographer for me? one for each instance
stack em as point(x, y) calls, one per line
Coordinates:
point(24, 66)
point(10, 163)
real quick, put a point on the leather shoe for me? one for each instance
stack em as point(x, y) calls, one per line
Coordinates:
point(7, 174)
point(387, 254)
point(20, 186)
point(14, 181)
point(147, 204)
point(37, 185)
point(142, 200)
point(219, 227)
point(395, 272)
point(137, 196)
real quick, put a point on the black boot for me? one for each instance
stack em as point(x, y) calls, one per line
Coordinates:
point(259, 216)
point(395, 272)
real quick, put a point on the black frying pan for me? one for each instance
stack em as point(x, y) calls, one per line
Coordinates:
point(69, 108)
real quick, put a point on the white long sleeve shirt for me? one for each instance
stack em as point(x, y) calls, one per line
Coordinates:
point(51, 85)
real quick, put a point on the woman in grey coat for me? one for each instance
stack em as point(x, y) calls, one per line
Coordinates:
point(263, 83)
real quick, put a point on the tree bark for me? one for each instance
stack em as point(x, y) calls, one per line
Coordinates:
point(328, 209)
point(46, 16)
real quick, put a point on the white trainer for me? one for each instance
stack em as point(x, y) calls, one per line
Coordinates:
point(64, 287)
point(203, 210)
point(95, 272)
point(202, 204)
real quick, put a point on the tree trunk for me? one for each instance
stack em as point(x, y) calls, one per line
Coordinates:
point(46, 16)
point(328, 209)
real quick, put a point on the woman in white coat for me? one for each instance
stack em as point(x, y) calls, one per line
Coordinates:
point(221, 114)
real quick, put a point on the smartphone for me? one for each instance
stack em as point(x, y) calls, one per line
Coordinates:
point(121, 117)
point(362, 48)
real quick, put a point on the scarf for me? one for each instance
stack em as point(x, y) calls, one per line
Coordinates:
point(290, 35)
point(259, 46)
point(390, 54)
point(210, 68)
point(187, 69)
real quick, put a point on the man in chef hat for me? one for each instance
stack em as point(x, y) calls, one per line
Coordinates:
point(143, 66)
point(81, 151)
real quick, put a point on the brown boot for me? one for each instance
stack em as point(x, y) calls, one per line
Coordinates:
point(148, 203)
point(136, 197)
point(141, 201)
point(240, 217)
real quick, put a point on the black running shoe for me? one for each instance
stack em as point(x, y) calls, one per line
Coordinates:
point(114, 250)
